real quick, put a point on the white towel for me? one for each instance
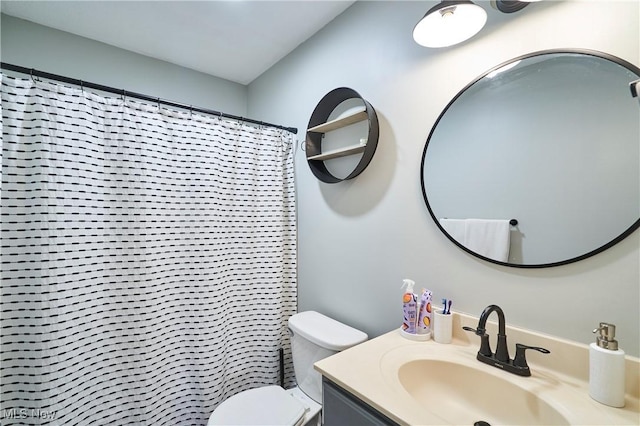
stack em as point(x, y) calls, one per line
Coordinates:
point(487, 237)
point(455, 228)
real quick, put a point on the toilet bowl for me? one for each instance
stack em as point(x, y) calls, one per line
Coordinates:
point(268, 405)
point(313, 337)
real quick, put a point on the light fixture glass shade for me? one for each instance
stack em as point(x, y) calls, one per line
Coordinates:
point(449, 23)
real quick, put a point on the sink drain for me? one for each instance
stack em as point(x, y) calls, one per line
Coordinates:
point(481, 423)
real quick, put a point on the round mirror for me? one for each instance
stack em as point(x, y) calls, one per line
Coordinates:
point(549, 142)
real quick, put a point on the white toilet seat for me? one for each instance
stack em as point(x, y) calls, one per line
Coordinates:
point(268, 405)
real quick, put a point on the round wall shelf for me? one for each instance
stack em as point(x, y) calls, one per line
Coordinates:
point(319, 124)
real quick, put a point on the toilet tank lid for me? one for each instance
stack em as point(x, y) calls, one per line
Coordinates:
point(324, 331)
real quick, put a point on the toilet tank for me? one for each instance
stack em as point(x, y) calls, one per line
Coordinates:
point(314, 337)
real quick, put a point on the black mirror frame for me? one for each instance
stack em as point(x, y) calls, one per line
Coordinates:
point(591, 253)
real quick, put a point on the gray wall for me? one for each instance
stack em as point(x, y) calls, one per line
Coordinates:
point(35, 46)
point(359, 239)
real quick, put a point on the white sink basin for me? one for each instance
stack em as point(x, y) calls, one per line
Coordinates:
point(463, 395)
point(427, 383)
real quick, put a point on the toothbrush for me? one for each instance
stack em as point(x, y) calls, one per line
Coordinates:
point(449, 307)
point(444, 306)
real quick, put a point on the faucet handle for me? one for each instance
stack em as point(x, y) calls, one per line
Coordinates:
point(477, 331)
point(485, 348)
point(520, 359)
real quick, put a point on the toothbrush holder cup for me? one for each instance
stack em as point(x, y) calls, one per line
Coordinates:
point(442, 326)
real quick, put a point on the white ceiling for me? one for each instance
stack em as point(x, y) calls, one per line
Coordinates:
point(236, 40)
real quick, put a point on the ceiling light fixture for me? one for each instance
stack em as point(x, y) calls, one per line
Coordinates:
point(510, 6)
point(449, 23)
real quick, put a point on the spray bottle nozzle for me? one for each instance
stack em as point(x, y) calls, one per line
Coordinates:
point(409, 284)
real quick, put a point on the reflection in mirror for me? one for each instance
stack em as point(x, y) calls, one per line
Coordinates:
point(550, 139)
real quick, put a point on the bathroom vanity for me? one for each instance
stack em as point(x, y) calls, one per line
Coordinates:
point(342, 408)
point(392, 380)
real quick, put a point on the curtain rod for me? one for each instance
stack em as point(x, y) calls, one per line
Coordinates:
point(36, 73)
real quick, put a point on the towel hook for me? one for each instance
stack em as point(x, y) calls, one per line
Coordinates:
point(513, 222)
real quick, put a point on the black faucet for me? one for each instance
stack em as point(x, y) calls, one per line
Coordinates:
point(501, 358)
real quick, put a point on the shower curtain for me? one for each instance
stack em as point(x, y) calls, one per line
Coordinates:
point(148, 258)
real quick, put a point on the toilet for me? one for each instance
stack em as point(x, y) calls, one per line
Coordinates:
point(313, 337)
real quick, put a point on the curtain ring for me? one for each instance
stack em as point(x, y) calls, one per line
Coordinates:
point(190, 111)
point(124, 96)
point(82, 86)
point(31, 75)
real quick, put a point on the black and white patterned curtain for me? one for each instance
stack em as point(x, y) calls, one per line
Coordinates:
point(148, 259)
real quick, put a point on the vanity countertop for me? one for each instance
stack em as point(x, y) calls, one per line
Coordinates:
point(369, 371)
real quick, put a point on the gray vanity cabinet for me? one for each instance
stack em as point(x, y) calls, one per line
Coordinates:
point(340, 408)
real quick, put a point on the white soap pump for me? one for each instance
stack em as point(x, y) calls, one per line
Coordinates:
point(606, 367)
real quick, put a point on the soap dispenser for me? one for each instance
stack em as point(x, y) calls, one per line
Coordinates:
point(606, 367)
